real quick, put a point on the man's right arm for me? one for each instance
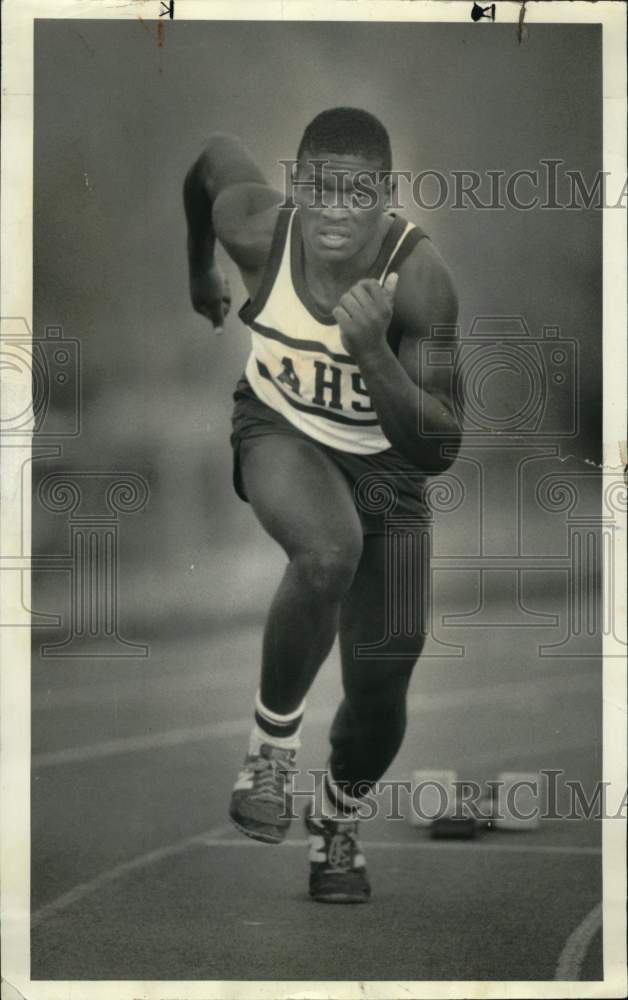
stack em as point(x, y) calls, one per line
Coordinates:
point(225, 197)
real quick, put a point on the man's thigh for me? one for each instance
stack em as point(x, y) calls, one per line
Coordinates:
point(299, 495)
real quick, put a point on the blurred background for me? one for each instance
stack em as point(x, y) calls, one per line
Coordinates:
point(123, 109)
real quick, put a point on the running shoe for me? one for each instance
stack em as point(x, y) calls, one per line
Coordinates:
point(337, 865)
point(261, 807)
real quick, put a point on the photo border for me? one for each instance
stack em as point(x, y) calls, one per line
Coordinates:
point(16, 301)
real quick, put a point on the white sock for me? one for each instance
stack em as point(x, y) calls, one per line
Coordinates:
point(346, 810)
point(269, 725)
point(258, 737)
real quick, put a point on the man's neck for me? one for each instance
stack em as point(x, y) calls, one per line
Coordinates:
point(328, 280)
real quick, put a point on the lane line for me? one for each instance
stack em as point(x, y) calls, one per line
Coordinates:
point(139, 744)
point(574, 953)
point(241, 727)
point(417, 704)
point(120, 871)
point(128, 688)
point(211, 838)
point(206, 678)
point(430, 845)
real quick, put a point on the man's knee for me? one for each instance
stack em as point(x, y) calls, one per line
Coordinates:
point(328, 571)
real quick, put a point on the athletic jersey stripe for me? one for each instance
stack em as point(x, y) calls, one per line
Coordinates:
point(253, 306)
point(337, 418)
point(393, 238)
point(298, 364)
point(301, 345)
point(403, 250)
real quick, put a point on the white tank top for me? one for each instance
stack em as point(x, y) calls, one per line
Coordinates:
point(298, 364)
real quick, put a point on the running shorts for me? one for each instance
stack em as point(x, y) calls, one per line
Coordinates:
point(382, 484)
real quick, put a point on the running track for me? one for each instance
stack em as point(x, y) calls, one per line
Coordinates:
point(137, 875)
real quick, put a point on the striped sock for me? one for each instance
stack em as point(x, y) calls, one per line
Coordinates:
point(337, 803)
point(277, 730)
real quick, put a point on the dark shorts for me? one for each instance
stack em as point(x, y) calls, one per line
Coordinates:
point(384, 483)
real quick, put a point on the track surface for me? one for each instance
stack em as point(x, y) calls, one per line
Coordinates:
point(136, 873)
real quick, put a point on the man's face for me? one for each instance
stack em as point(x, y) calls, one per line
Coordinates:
point(340, 203)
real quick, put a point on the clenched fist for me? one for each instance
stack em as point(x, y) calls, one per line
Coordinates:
point(209, 291)
point(364, 313)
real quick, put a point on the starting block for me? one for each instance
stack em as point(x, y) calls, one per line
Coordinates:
point(433, 797)
point(518, 800)
point(509, 802)
point(453, 828)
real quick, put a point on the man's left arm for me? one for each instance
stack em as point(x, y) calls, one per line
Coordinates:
point(415, 414)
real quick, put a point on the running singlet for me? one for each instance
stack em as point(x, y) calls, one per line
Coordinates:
point(298, 365)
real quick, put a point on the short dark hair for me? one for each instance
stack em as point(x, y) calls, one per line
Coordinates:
point(347, 130)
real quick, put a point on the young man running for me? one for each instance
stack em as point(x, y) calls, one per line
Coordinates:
point(341, 290)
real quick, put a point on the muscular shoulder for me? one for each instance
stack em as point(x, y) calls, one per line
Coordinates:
point(426, 294)
point(244, 205)
point(244, 218)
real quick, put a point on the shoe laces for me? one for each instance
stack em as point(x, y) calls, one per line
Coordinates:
point(269, 776)
point(341, 849)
